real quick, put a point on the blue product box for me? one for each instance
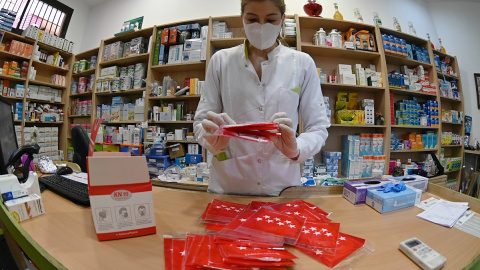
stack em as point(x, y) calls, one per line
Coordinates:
point(158, 161)
point(356, 191)
point(180, 161)
point(134, 150)
point(391, 201)
point(193, 158)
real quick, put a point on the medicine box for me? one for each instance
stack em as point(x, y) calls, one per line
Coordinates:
point(391, 201)
point(356, 191)
point(192, 56)
point(192, 44)
point(176, 150)
point(193, 158)
point(158, 161)
point(26, 207)
point(415, 181)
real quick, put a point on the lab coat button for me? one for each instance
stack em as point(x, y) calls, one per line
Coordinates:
point(259, 161)
point(258, 184)
point(260, 108)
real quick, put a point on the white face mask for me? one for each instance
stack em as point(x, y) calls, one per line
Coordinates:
point(262, 36)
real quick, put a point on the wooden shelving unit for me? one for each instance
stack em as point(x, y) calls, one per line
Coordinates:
point(43, 76)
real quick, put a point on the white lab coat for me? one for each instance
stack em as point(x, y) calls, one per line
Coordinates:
point(289, 84)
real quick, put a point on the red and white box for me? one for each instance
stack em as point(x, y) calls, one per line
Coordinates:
point(120, 196)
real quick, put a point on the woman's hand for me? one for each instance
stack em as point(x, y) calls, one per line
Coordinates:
point(212, 124)
point(287, 142)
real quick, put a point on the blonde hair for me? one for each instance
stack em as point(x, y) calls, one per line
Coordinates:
point(279, 3)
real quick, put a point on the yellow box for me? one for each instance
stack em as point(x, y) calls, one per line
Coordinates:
point(418, 137)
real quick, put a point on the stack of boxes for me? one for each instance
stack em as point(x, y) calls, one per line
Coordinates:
point(169, 112)
point(347, 110)
point(331, 160)
point(18, 113)
point(413, 141)
point(114, 78)
point(18, 47)
point(452, 116)
point(194, 154)
point(411, 79)
point(360, 76)
point(289, 28)
point(308, 167)
point(220, 30)
point(121, 110)
point(46, 93)
point(362, 156)
point(450, 138)
point(18, 133)
point(400, 47)
point(47, 140)
point(34, 32)
point(449, 89)
point(181, 43)
point(413, 113)
point(7, 17)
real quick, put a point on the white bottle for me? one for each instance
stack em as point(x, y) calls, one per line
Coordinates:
point(334, 37)
point(322, 36)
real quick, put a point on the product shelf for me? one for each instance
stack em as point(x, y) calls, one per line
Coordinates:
point(440, 75)
point(447, 99)
point(348, 87)
point(358, 126)
point(407, 37)
point(122, 123)
point(442, 55)
point(459, 145)
point(413, 127)
point(171, 122)
point(182, 97)
point(85, 73)
point(9, 55)
point(180, 141)
point(414, 150)
point(45, 123)
point(12, 78)
point(79, 116)
point(50, 49)
point(411, 93)
point(223, 43)
point(84, 94)
point(44, 101)
point(126, 92)
point(127, 36)
point(47, 84)
point(314, 23)
point(451, 123)
point(129, 60)
point(315, 50)
point(13, 98)
point(48, 67)
point(400, 61)
point(183, 67)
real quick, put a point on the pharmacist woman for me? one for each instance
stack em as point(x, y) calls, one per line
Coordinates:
point(260, 81)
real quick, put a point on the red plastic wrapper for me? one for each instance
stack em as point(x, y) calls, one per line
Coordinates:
point(267, 222)
point(221, 211)
point(174, 252)
point(257, 132)
point(292, 204)
point(320, 236)
point(346, 246)
point(254, 253)
point(307, 213)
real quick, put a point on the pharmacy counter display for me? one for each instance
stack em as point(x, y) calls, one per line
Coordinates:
point(64, 237)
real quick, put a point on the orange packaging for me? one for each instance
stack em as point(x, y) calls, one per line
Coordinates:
point(6, 66)
point(28, 50)
point(21, 48)
point(420, 145)
point(165, 36)
point(13, 46)
point(174, 37)
point(412, 137)
point(414, 145)
point(418, 138)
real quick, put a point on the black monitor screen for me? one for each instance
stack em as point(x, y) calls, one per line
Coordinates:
point(8, 139)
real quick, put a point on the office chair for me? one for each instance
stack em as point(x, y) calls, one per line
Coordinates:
point(80, 146)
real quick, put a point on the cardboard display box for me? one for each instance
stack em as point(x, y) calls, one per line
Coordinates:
point(120, 196)
point(26, 207)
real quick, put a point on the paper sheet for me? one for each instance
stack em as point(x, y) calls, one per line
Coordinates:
point(444, 213)
point(78, 176)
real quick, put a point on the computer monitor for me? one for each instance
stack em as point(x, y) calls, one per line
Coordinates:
point(8, 138)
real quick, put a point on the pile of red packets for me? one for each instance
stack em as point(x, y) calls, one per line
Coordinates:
point(257, 132)
point(254, 236)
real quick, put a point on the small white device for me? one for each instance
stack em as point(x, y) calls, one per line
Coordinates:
point(421, 254)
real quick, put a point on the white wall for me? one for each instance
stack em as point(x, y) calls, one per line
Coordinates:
point(456, 24)
point(76, 28)
point(106, 19)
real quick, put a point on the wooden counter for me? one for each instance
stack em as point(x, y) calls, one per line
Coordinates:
point(66, 231)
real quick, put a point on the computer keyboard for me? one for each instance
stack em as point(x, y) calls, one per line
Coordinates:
point(68, 188)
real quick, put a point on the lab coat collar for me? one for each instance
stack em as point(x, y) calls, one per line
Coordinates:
point(270, 54)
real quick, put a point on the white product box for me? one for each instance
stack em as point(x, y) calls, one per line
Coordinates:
point(26, 207)
point(192, 56)
point(192, 44)
point(175, 54)
point(347, 78)
point(126, 210)
point(344, 69)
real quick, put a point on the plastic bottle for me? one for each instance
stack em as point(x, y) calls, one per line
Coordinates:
point(322, 37)
point(335, 38)
point(376, 19)
point(337, 15)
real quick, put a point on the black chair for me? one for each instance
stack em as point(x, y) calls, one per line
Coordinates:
point(80, 142)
